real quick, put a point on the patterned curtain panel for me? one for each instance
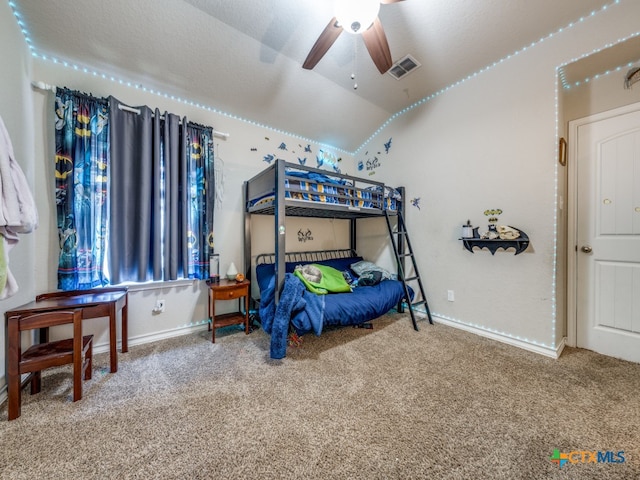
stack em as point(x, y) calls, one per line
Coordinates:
point(82, 160)
point(201, 198)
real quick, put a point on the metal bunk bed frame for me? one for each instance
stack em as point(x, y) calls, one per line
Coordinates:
point(281, 207)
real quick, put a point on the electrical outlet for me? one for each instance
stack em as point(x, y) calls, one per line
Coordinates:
point(450, 295)
point(159, 308)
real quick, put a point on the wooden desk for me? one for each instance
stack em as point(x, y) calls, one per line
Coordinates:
point(95, 303)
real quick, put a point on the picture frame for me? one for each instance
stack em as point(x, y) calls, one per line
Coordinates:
point(562, 152)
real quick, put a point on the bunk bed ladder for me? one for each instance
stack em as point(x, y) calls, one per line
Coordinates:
point(398, 239)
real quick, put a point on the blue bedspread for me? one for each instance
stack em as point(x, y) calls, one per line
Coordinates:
point(308, 312)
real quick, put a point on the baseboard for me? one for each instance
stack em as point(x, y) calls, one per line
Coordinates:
point(540, 349)
point(164, 334)
point(151, 337)
point(560, 348)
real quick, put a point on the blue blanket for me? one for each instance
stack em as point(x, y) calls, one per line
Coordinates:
point(294, 299)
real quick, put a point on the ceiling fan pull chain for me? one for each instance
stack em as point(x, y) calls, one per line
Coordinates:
point(355, 63)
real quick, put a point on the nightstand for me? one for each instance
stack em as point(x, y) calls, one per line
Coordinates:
point(228, 290)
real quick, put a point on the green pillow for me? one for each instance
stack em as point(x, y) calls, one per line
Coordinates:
point(322, 279)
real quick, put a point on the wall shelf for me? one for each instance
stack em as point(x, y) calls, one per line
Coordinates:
point(520, 244)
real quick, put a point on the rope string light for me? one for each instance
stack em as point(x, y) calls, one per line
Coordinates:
point(559, 71)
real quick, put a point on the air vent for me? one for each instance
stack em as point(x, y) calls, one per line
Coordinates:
point(403, 67)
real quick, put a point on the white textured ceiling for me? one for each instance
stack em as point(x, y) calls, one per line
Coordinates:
point(244, 57)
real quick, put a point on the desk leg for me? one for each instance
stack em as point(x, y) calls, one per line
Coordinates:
point(213, 318)
point(36, 382)
point(125, 325)
point(113, 339)
point(246, 314)
point(210, 302)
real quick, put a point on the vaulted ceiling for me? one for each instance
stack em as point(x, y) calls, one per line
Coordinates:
point(244, 57)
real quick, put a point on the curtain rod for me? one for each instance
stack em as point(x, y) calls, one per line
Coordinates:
point(43, 86)
point(46, 86)
point(137, 111)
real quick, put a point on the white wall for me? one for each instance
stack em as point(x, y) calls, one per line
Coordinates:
point(16, 112)
point(491, 142)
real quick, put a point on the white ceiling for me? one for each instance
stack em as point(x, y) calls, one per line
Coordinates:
point(244, 57)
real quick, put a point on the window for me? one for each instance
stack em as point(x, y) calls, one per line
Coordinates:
point(134, 193)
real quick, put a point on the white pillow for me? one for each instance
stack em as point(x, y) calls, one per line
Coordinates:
point(364, 266)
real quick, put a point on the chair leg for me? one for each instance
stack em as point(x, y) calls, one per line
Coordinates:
point(13, 394)
point(77, 385)
point(13, 368)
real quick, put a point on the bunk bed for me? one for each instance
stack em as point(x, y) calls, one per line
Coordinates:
point(286, 189)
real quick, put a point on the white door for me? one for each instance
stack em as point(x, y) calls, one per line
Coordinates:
point(608, 236)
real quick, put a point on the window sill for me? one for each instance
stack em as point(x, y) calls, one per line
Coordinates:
point(138, 287)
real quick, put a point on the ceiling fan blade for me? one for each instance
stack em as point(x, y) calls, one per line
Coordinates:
point(324, 42)
point(376, 42)
point(385, 2)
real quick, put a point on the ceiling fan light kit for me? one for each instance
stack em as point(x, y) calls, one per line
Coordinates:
point(355, 16)
point(360, 17)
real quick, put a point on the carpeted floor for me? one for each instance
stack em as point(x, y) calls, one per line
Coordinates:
point(383, 403)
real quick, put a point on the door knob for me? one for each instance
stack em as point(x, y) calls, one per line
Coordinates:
point(587, 249)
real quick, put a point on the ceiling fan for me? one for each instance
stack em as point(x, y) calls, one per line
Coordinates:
point(359, 17)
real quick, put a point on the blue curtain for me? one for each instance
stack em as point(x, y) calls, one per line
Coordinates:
point(201, 198)
point(161, 200)
point(81, 174)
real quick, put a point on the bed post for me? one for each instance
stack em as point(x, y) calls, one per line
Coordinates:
point(402, 211)
point(401, 239)
point(352, 234)
point(280, 230)
point(247, 231)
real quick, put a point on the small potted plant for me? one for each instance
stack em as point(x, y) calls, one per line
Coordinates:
point(493, 214)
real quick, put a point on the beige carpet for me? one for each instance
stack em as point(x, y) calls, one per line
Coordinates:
point(384, 403)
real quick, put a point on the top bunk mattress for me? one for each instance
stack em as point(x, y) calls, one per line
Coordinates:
point(311, 188)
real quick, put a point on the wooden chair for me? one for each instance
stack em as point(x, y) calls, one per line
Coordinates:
point(77, 350)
